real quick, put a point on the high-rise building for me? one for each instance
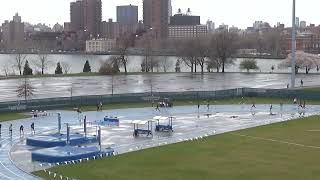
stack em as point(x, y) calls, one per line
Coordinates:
point(93, 17)
point(127, 14)
point(77, 16)
point(184, 26)
point(156, 17)
point(210, 26)
point(181, 19)
point(114, 30)
point(86, 15)
point(170, 11)
point(303, 24)
point(297, 22)
point(13, 32)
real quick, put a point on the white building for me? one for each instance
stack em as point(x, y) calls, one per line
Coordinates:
point(187, 31)
point(100, 45)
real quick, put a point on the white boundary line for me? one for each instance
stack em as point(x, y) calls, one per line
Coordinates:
point(277, 141)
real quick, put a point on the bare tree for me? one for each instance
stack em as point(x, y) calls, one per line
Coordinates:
point(147, 64)
point(201, 47)
point(125, 42)
point(110, 66)
point(213, 63)
point(223, 44)
point(66, 67)
point(42, 62)
point(275, 42)
point(20, 61)
point(6, 69)
point(25, 90)
point(186, 52)
point(165, 63)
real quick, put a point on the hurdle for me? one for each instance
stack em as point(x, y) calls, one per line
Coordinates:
point(138, 131)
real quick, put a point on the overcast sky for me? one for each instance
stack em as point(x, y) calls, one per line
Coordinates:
point(240, 13)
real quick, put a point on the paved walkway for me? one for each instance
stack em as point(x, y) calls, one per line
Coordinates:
point(99, 85)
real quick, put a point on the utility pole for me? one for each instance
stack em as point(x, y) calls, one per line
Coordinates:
point(293, 46)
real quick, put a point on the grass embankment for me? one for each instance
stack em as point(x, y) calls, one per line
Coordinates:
point(13, 116)
point(311, 89)
point(228, 156)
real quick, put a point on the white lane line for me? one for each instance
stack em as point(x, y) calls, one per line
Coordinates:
point(277, 141)
point(313, 130)
point(1, 162)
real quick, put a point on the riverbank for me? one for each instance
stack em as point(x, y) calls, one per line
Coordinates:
point(135, 53)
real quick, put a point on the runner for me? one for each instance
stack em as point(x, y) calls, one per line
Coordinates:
point(281, 108)
point(10, 130)
point(253, 105)
point(97, 107)
point(32, 129)
point(271, 109)
point(295, 101)
point(100, 106)
point(21, 130)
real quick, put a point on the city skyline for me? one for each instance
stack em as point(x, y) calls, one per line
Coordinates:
point(251, 10)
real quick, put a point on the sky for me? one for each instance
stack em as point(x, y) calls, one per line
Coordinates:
point(240, 13)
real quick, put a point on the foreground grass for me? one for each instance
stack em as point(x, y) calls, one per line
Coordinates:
point(13, 116)
point(246, 100)
point(227, 156)
point(311, 89)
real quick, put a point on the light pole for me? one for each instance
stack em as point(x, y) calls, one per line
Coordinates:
point(293, 46)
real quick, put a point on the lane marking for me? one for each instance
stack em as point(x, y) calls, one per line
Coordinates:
point(277, 141)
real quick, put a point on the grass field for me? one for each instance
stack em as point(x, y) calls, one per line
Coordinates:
point(282, 151)
point(12, 116)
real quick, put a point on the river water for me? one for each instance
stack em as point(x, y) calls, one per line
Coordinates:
point(134, 63)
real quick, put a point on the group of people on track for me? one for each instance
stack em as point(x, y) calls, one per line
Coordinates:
point(21, 129)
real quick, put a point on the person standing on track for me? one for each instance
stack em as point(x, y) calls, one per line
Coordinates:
point(21, 130)
point(32, 129)
point(10, 130)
